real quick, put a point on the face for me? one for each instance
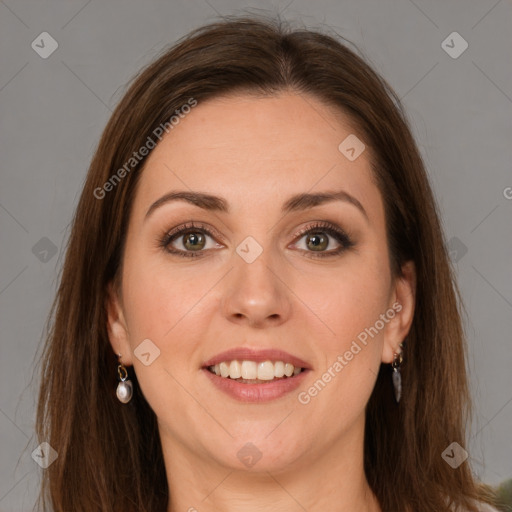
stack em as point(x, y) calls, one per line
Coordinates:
point(277, 281)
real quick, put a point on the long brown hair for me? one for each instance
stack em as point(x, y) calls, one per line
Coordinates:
point(109, 456)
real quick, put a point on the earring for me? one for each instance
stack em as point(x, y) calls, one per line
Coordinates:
point(124, 389)
point(396, 376)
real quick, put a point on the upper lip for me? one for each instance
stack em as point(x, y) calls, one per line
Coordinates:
point(257, 355)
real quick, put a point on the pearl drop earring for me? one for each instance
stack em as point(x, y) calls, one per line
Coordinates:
point(124, 391)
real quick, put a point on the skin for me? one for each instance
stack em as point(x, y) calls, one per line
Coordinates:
point(257, 152)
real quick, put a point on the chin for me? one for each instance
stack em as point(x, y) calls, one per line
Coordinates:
point(258, 452)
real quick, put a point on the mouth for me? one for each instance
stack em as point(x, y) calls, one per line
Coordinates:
point(252, 372)
point(255, 376)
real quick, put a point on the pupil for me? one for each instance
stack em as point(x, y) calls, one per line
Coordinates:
point(318, 240)
point(194, 239)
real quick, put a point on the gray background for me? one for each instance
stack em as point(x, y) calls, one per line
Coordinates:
point(53, 111)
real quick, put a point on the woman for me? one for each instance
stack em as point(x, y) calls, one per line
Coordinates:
point(256, 310)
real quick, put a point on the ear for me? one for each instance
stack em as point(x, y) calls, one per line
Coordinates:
point(116, 325)
point(402, 302)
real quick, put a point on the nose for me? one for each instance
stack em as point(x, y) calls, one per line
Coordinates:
point(256, 294)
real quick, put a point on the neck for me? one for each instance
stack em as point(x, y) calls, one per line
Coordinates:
point(331, 480)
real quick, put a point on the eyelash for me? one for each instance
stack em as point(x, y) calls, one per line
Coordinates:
point(191, 227)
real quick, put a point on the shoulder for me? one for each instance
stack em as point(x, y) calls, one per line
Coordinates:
point(487, 508)
point(481, 507)
point(484, 507)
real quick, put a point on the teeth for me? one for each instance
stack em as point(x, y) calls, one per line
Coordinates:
point(224, 369)
point(265, 371)
point(235, 370)
point(279, 369)
point(250, 370)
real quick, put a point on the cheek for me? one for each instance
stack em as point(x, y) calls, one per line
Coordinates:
point(173, 310)
point(351, 304)
point(161, 306)
point(157, 300)
point(350, 301)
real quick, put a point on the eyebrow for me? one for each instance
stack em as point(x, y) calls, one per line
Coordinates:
point(295, 203)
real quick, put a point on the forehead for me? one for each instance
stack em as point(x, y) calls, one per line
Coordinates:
point(258, 150)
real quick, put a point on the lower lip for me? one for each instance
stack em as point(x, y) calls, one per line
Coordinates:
point(256, 393)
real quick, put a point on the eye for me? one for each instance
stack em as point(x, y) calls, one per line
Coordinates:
point(317, 238)
point(193, 241)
